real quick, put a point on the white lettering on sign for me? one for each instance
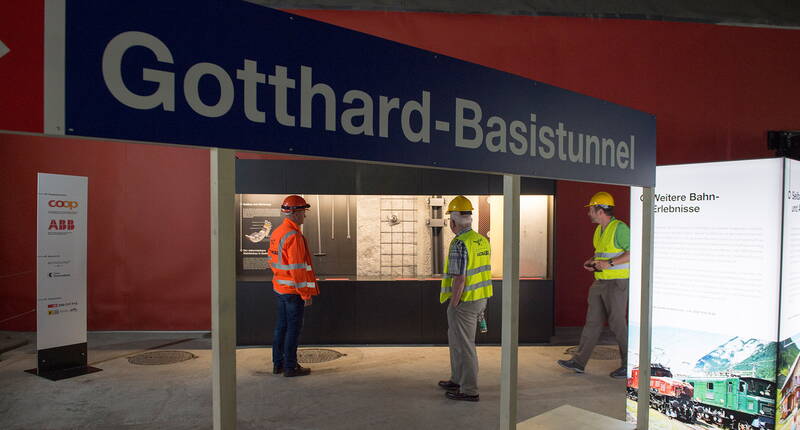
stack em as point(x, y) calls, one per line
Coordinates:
point(112, 72)
point(358, 108)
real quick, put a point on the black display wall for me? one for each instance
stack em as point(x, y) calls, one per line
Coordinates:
point(343, 177)
point(387, 312)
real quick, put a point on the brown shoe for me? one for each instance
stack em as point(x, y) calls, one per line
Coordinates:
point(297, 371)
point(461, 396)
point(449, 385)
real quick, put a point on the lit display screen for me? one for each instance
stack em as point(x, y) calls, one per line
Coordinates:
point(716, 280)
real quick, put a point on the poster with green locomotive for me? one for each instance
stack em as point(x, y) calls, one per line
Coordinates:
point(725, 291)
point(692, 385)
point(788, 416)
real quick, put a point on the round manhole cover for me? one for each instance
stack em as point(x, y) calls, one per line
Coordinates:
point(151, 358)
point(599, 353)
point(317, 355)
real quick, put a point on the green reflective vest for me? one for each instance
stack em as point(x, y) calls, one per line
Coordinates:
point(604, 249)
point(478, 284)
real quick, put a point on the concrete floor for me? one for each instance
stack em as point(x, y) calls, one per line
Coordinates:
point(371, 387)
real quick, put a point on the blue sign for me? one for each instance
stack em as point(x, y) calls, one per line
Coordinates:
point(237, 75)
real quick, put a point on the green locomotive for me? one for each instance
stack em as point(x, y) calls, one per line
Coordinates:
point(735, 402)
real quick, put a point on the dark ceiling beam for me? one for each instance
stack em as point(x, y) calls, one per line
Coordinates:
point(779, 13)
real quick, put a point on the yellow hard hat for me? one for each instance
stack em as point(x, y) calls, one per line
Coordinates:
point(601, 198)
point(459, 204)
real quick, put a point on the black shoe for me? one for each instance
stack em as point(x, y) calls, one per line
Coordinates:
point(620, 373)
point(277, 369)
point(456, 395)
point(449, 385)
point(571, 365)
point(297, 371)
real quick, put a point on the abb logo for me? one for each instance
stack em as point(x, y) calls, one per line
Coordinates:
point(61, 224)
point(62, 204)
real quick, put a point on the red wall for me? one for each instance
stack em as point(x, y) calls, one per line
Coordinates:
point(149, 226)
point(715, 91)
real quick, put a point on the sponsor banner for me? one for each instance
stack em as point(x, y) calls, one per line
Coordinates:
point(239, 75)
point(716, 280)
point(61, 260)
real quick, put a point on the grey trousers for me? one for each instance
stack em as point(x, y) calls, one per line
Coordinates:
point(608, 301)
point(461, 323)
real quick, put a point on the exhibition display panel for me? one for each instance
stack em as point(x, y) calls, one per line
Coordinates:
point(725, 315)
point(788, 374)
point(379, 257)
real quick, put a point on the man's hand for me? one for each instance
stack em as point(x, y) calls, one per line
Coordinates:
point(308, 302)
point(458, 288)
point(588, 265)
point(602, 264)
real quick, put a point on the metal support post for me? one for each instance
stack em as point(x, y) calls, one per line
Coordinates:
point(510, 335)
point(643, 412)
point(223, 289)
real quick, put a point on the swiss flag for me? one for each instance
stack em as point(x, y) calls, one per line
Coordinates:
point(22, 65)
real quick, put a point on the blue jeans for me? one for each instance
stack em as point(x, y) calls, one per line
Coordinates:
point(287, 330)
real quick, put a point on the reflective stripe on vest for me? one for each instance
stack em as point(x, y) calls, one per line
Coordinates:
point(604, 249)
point(478, 282)
point(297, 284)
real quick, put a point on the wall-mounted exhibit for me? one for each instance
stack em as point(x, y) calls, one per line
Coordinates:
point(725, 263)
point(375, 237)
point(386, 237)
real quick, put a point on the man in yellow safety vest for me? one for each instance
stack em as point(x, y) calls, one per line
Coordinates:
point(608, 295)
point(468, 284)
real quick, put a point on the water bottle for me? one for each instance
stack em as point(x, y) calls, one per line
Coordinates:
point(482, 326)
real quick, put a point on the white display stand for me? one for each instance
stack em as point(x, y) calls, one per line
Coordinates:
point(722, 231)
point(61, 304)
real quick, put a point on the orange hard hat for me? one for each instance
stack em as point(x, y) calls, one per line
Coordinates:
point(294, 203)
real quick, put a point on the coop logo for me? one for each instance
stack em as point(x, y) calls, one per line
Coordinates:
point(62, 204)
point(3, 49)
point(61, 225)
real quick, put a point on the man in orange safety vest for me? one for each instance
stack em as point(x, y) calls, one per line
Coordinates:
point(294, 282)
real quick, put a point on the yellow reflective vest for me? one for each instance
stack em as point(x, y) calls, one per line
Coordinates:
point(604, 249)
point(478, 284)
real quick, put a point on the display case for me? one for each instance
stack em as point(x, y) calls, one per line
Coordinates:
point(388, 237)
point(378, 236)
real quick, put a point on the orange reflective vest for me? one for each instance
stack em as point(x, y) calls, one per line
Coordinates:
point(291, 262)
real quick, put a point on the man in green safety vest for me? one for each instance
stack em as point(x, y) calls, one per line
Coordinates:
point(468, 284)
point(608, 295)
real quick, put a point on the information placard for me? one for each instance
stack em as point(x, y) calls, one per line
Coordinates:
point(789, 348)
point(716, 277)
point(61, 260)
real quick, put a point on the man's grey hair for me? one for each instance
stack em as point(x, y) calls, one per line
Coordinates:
point(462, 219)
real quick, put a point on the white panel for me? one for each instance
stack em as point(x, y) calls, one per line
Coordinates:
point(61, 231)
point(54, 65)
point(716, 268)
point(790, 290)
